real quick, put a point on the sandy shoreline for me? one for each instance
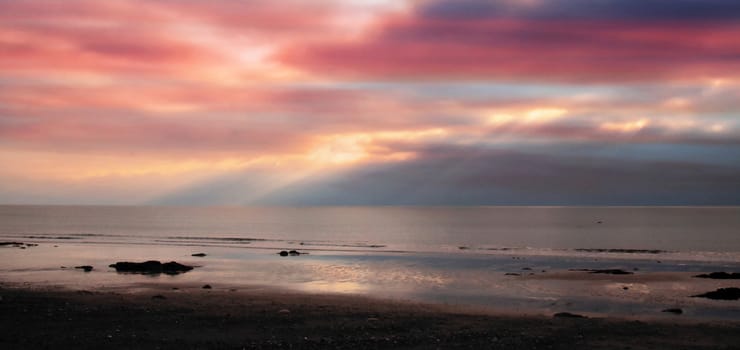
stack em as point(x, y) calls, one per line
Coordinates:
point(34, 317)
point(263, 300)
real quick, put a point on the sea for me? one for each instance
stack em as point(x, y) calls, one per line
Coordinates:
point(522, 259)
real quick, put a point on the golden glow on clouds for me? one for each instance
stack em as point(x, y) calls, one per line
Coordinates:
point(626, 127)
point(538, 115)
point(717, 128)
point(351, 148)
point(74, 167)
point(341, 149)
point(544, 114)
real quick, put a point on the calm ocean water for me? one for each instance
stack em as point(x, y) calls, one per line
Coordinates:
point(517, 257)
point(533, 230)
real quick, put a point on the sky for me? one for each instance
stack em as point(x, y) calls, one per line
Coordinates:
point(370, 102)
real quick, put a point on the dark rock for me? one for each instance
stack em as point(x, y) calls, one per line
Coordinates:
point(721, 276)
point(174, 267)
point(20, 245)
point(605, 271)
point(87, 268)
point(291, 253)
point(626, 288)
point(567, 315)
point(200, 255)
point(721, 294)
point(512, 274)
point(620, 250)
point(676, 311)
point(151, 267)
point(527, 268)
point(207, 286)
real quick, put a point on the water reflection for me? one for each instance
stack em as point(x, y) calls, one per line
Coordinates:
point(542, 283)
point(334, 287)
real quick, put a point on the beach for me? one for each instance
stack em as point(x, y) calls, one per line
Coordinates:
point(193, 317)
point(255, 278)
point(597, 309)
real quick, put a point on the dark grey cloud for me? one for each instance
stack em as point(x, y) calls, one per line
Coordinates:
point(663, 10)
point(448, 175)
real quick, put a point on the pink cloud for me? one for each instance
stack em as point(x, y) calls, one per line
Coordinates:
point(153, 39)
point(418, 47)
point(146, 55)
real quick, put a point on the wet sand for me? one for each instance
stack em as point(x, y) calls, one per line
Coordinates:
point(35, 317)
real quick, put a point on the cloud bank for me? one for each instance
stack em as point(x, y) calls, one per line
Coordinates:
point(382, 102)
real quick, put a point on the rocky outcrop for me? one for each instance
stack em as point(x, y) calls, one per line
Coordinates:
point(605, 271)
point(20, 245)
point(86, 268)
point(676, 311)
point(721, 294)
point(720, 276)
point(612, 272)
point(567, 315)
point(291, 253)
point(620, 250)
point(151, 267)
